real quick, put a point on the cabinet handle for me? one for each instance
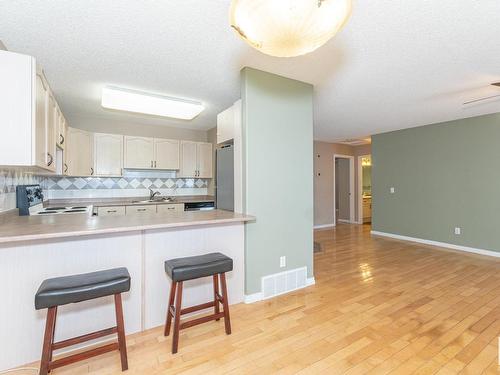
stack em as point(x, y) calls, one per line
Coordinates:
point(155, 163)
point(65, 167)
point(91, 171)
point(151, 163)
point(111, 211)
point(141, 209)
point(49, 163)
point(170, 208)
point(61, 139)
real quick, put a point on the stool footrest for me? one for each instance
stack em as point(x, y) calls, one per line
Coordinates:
point(83, 338)
point(203, 319)
point(83, 355)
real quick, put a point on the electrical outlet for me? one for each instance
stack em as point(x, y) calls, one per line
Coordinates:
point(282, 261)
point(392, 190)
point(458, 230)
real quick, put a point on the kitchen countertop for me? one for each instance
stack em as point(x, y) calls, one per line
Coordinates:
point(127, 201)
point(14, 228)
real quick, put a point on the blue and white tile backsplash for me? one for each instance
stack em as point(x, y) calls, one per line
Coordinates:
point(133, 184)
point(86, 183)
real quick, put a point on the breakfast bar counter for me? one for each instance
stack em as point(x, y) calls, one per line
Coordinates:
point(34, 248)
point(15, 228)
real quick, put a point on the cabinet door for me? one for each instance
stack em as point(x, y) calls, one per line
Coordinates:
point(41, 122)
point(189, 164)
point(61, 129)
point(204, 153)
point(51, 132)
point(139, 152)
point(79, 153)
point(166, 154)
point(225, 125)
point(108, 154)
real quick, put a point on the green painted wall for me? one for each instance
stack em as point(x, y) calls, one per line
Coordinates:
point(445, 176)
point(278, 168)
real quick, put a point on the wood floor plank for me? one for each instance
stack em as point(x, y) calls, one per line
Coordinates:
point(379, 306)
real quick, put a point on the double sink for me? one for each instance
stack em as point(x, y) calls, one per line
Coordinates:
point(157, 200)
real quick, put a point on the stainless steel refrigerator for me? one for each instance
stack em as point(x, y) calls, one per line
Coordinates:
point(225, 178)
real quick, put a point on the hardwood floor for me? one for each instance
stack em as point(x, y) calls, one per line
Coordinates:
point(379, 306)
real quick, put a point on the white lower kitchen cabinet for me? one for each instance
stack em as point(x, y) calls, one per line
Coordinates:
point(146, 209)
point(108, 154)
point(170, 208)
point(111, 211)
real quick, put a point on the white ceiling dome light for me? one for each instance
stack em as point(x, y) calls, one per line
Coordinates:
point(287, 28)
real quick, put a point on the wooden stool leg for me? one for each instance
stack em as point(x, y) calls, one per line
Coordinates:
point(216, 292)
point(177, 317)
point(225, 303)
point(122, 345)
point(168, 322)
point(48, 340)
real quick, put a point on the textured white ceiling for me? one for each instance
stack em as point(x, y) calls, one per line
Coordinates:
point(397, 63)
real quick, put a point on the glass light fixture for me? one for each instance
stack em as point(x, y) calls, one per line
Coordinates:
point(287, 28)
point(149, 103)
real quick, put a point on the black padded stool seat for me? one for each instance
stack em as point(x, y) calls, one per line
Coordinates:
point(76, 288)
point(189, 268)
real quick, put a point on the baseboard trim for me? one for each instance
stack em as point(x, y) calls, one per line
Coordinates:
point(438, 244)
point(256, 297)
point(324, 226)
point(251, 298)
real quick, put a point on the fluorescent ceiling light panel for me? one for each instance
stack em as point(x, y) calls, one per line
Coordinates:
point(149, 103)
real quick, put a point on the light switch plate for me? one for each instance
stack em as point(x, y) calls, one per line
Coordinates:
point(458, 230)
point(282, 261)
point(392, 190)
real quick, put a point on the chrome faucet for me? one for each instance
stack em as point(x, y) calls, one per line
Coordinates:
point(152, 194)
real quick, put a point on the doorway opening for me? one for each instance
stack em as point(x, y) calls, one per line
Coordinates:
point(343, 189)
point(364, 189)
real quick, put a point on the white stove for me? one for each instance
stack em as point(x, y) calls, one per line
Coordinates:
point(30, 202)
point(40, 210)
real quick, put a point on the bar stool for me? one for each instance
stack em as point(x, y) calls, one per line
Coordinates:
point(77, 288)
point(190, 268)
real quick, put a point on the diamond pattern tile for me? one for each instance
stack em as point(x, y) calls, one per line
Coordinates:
point(9, 181)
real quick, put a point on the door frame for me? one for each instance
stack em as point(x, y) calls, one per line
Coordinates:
point(351, 188)
point(360, 187)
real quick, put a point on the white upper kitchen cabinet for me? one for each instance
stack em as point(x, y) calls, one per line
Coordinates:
point(189, 164)
point(204, 156)
point(108, 154)
point(79, 153)
point(51, 130)
point(166, 154)
point(61, 130)
point(139, 152)
point(196, 159)
point(24, 115)
point(225, 125)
